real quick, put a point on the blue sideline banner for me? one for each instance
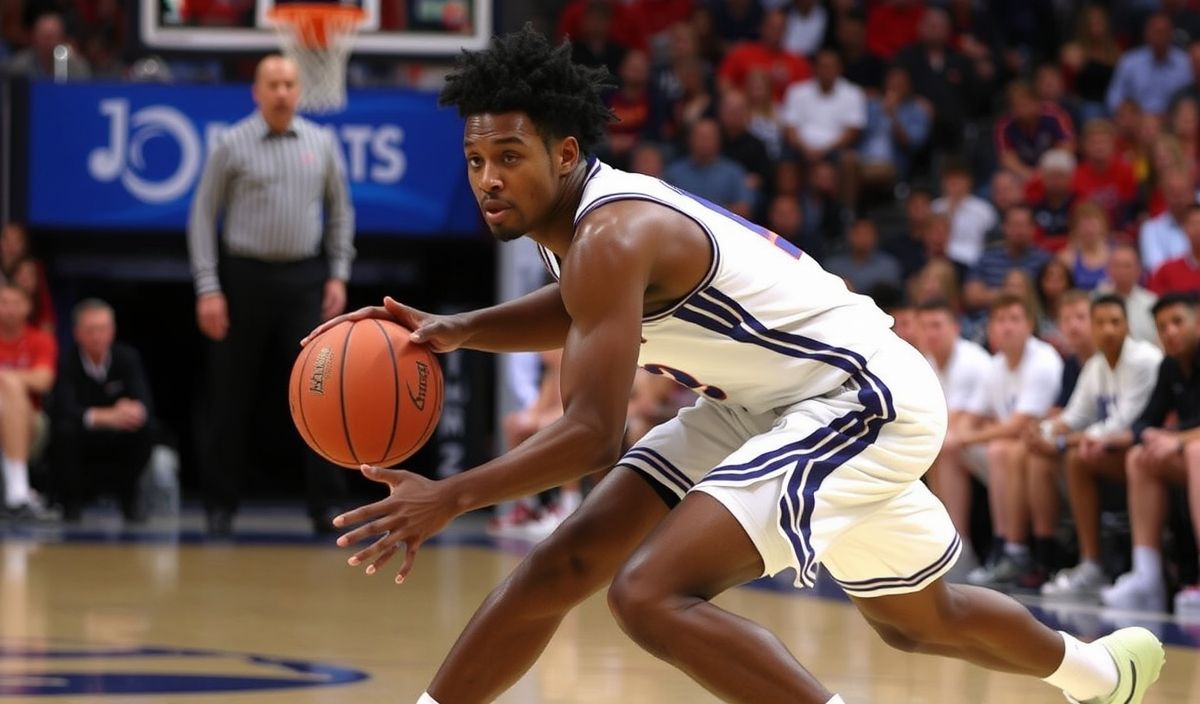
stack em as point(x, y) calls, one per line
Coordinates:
point(128, 156)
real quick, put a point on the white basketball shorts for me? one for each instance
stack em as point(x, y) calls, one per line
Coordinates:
point(833, 480)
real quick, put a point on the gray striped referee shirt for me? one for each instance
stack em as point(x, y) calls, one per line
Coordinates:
point(280, 192)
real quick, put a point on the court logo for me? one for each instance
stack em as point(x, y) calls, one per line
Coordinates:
point(51, 672)
point(124, 157)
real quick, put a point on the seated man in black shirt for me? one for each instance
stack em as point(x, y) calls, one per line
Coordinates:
point(101, 413)
point(1163, 455)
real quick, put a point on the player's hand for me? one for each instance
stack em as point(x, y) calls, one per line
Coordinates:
point(415, 510)
point(334, 300)
point(212, 315)
point(1090, 449)
point(443, 333)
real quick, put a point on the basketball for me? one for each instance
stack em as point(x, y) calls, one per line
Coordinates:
point(362, 393)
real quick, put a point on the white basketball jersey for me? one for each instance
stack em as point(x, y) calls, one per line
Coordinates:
point(766, 327)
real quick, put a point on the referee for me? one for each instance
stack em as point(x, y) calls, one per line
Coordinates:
point(281, 269)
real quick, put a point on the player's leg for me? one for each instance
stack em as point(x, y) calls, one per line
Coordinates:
point(661, 599)
point(515, 622)
point(994, 631)
point(1006, 496)
point(1147, 479)
point(1085, 580)
point(512, 627)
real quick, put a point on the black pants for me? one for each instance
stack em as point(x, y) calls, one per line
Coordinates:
point(271, 307)
point(86, 461)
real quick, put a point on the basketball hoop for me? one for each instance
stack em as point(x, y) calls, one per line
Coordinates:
point(318, 37)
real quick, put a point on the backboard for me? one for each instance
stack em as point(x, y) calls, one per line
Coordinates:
point(392, 27)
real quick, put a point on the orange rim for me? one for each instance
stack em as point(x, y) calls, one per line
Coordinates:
point(315, 23)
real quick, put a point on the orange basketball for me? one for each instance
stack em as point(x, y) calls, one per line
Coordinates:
point(362, 393)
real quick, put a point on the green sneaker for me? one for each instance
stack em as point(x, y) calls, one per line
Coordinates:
point(1139, 657)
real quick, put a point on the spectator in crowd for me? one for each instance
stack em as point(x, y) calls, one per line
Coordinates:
point(1184, 19)
point(1086, 440)
point(739, 145)
point(1015, 252)
point(1151, 74)
point(1030, 499)
point(709, 175)
point(1052, 211)
point(1052, 282)
point(667, 75)
point(1181, 274)
point(1160, 455)
point(786, 219)
point(738, 20)
point(768, 54)
point(1102, 177)
point(1163, 238)
point(1124, 273)
point(693, 102)
point(863, 266)
point(273, 287)
point(860, 66)
point(38, 60)
point(1029, 130)
point(647, 159)
point(1191, 90)
point(936, 281)
point(625, 25)
point(805, 28)
point(17, 264)
point(28, 361)
point(893, 301)
point(593, 46)
point(896, 131)
point(1185, 128)
point(709, 44)
point(765, 118)
point(893, 25)
point(908, 245)
point(1089, 250)
point(101, 415)
point(971, 217)
point(944, 77)
point(1050, 89)
point(825, 114)
point(1090, 60)
point(631, 105)
point(1020, 387)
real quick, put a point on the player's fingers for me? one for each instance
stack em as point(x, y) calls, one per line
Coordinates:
point(362, 514)
point(410, 556)
point(360, 314)
point(374, 550)
point(384, 558)
point(380, 527)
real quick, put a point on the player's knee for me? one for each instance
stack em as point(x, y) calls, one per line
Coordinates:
point(561, 566)
point(636, 605)
point(1191, 453)
point(895, 637)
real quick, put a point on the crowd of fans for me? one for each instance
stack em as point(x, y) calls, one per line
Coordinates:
point(1016, 182)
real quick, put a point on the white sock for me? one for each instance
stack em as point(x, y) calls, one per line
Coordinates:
point(1147, 563)
point(16, 482)
point(426, 699)
point(1016, 549)
point(1093, 565)
point(836, 700)
point(1087, 670)
point(569, 500)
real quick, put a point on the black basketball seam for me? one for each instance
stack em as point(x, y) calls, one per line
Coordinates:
point(396, 398)
point(300, 403)
point(342, 394)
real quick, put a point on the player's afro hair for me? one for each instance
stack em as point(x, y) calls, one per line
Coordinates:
point(523, 72)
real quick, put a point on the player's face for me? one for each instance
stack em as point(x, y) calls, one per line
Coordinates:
point(1109, 328)
point(1176, 329)
point(515, 178)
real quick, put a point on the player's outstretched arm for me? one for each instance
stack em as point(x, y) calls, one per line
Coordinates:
point(608, 276)
point(534, 322)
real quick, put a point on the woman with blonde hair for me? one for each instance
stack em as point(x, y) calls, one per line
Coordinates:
point(1087, 253)
point(764, 112)
point(937, 280)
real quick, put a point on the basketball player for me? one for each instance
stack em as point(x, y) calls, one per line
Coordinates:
point(806, 448)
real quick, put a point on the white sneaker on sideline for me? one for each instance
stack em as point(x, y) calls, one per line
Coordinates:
point(1134, 592)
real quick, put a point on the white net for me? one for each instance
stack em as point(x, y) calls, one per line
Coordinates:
point(319, 39)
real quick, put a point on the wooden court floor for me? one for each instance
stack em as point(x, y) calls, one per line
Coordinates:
point(102, 616)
